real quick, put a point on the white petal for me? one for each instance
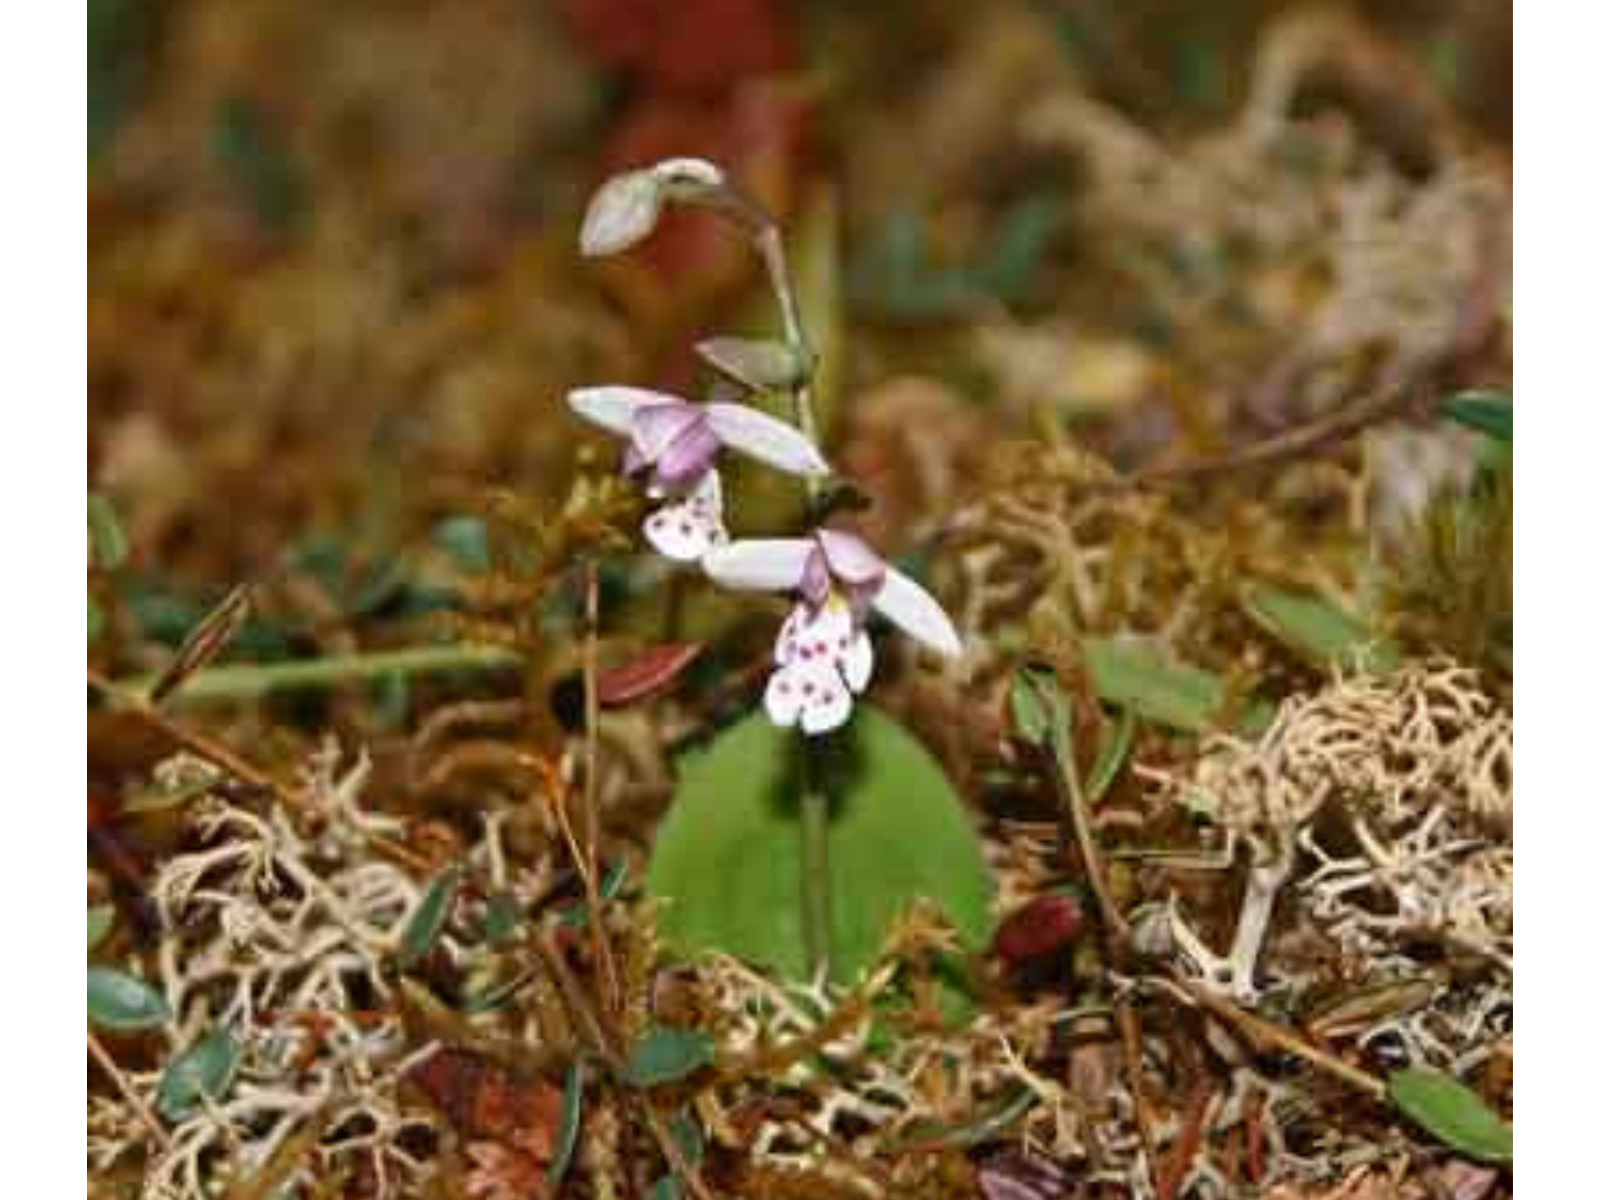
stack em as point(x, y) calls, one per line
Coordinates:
point(622, 212)
point(904, 601)
point(612, 407)
point(783, 698)
point(828, 707)
point(766, 439)
point(857, 664)
point(759, 564)
point(686, 530)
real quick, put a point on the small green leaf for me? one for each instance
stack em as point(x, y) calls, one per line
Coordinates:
point(665, 1188)
point(665, 1055)
point(97, 621)
point(1113, 754)
point(1137, 676)
point(1039, 711)
point(571, 1122)
point(108, 544)
point(1452, 1112)
point(685, 1131)
point(501, 917)
point(727, 857)
point(1488, 412)
point(577, 916)
point(1318, 631)
point(101, 918)
point(205, 1069)
point(760, 364)
point(465, 539)
point(427, 922)
point(124, 1002)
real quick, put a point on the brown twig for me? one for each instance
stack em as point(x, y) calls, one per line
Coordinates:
point(1180, 1159)
point(1270, 1035)
point(103, 1058)
point(611, 989)
point(593, 1031)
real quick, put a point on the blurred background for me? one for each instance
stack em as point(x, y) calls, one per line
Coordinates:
point(335, 295)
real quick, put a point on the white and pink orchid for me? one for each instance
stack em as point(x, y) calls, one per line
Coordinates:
point(675, 443)
point(823, 654)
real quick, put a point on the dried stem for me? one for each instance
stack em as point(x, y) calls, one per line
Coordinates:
point(102, 1056)
point(1271, 1035)
point(611, 990)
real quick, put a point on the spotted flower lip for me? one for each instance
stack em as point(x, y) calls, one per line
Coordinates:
point(823, 656)
point(831, 563)
point(675, 444)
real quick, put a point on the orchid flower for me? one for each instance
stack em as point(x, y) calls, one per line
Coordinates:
point(676, 443)
point(823, 653)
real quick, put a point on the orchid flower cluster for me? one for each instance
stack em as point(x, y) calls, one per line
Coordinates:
point(823, 657)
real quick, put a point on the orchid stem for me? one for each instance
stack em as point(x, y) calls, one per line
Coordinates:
point(816, 884)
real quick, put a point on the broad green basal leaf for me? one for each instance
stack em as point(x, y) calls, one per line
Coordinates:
point(727, 857)
point(1139, 677)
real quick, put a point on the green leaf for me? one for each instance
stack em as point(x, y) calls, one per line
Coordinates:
point(1137, 676)
point(1039, 711)
point(666, 1055)
point(121, 1001)
point(577, 916)
point(571, 1122)
point(205, 1069)
point(727, 856)
point(501, 917)
point(1487, 412)
point(97, 621)
point(685, 1131)
point(1451, 1112)
point(1318, 631)
point(465, 539)
point(108, 544)
point(665, 1188)
point(1113, 754)
point(101, 918)
point(427, 922)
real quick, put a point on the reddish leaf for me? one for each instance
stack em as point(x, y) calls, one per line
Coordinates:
point(485, 1101)
point(1046, 925)
point(647, 675)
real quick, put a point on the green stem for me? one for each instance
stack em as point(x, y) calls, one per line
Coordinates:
point(816, 884)
point(247, 682)
point(816, 891)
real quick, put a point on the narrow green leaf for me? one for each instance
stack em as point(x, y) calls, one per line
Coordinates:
point(1451, 1112)
point(571, 1122)
point(665, 1188)
point(205, 1069)
point(1318, 631)
point(428, 921)
point(685, 1131)
point(124, 1002)
point(665, 1055)
point(501, 917)
point(101, 918)
point(1488, 412)
point(108, 544)
point(577, 916)
point(1137, 676)
point(727, 857)
point(1113, 754)
point(1039, 711)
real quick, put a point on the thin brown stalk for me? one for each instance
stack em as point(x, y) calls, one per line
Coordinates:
point(611, 989)
point(1272, 1036)
point(103, 1058)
